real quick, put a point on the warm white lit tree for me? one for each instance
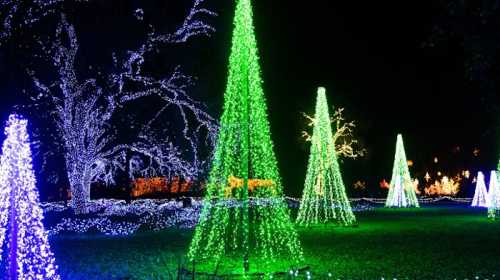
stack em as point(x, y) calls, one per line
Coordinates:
point(82, 109)
point(346, 145)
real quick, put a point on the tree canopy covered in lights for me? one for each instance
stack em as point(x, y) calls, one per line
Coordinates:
point(324, 198)
point(402, 195)
point(27, 253)
point(83, 108)
point(480, 194)
point(245, 217)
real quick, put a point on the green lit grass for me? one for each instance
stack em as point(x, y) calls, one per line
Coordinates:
point(427, 243)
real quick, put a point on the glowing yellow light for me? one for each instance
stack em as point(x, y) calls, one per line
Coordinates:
point(476, 152)
point(435, 160)
point(236, 183)
point(439, 173)
point(360, 185)
point(410, 162)
point(415, 186)
point(447, 186)
point(427, 177)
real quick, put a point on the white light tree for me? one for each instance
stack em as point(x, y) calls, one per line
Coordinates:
point(480, 198)
point(82, 109)
point(493, 200)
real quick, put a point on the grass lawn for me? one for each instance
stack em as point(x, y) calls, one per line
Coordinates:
point(427, 243)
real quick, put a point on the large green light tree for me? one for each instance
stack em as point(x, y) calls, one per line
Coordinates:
point(401, 189)
point(324, 199)
point(244, 224)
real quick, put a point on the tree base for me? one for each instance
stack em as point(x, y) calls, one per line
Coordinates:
point(202, 271)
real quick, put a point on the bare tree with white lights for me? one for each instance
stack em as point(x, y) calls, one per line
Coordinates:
point(82, 110)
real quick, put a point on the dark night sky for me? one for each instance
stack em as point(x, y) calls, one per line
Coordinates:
point(368, 55)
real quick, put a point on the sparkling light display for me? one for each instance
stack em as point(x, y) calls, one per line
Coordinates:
point(346, 146)
point(27, 252)
point(15, 15)
point(256, 232)
point(400, 169)
point(493, 199)
point(324, 198)
point(480, 195)
point(83, 108)
point(445, 186)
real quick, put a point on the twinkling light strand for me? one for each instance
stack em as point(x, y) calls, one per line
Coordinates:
point(262, 231)
point(400, 169)
point(324, 198)
point(28, 254)
point(480, 194)
point(83, 109)
point(16, 15)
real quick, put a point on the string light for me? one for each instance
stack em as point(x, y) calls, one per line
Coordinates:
point(260, 231)
point(404, 194)
point(324, 198)
point(28, 254)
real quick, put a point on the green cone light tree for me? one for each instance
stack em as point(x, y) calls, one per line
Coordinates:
point(324, 198)
point(244, 225)
point(401, 190)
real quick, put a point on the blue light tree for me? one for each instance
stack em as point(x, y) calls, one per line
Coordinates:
point(24, 247)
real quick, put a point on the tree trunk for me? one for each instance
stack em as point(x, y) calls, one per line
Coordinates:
point(80, 190)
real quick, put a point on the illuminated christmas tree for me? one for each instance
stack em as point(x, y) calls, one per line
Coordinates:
point(480, 194)
point(24, 247)
point(493, 200)
point(404, 195)
point(324, 198)
point(244, 224)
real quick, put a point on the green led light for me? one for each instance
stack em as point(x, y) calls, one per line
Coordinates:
point(324, 198)
point(245, 218)
point(401, 195)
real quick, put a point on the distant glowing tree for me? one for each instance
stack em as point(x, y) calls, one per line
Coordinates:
point(493, 195)
point(346, 146)
point(400, 170)
point(324, 198)
point(245, 218)
point(27, 252)
point(480, 195)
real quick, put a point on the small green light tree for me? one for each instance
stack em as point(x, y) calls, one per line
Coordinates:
point(244, 225)
point(402, 195)
point(324, 198)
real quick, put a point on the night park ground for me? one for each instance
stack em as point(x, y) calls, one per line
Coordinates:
point(434, 242)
